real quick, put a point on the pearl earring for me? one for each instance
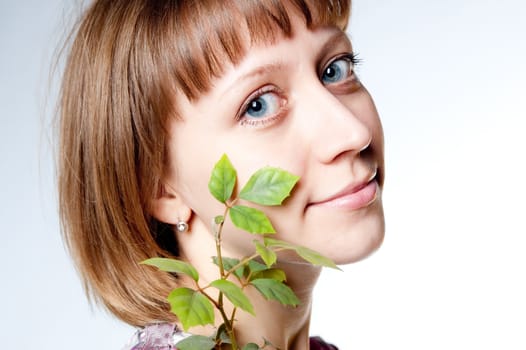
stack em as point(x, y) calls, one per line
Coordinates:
point(181, 226)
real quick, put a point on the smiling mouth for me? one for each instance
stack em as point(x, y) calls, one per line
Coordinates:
point(352, 197)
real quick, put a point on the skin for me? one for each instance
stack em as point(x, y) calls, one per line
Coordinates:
point(327, 132)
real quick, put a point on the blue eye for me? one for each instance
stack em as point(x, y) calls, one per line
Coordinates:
point(267, 104)
point(339, 70)
point(263, 108)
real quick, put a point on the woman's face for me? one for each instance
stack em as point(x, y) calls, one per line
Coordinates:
point(297, 105)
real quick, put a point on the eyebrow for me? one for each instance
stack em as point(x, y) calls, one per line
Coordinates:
point(261, 70)
point(254, 73)
point(333, 40)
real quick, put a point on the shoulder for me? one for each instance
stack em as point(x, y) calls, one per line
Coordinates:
point(164, 336)
point(158, 336)
point(317, 343)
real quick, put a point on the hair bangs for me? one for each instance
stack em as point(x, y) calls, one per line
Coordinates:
point(206, 36)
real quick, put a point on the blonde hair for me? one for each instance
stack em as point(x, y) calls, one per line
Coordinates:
point(127, 60)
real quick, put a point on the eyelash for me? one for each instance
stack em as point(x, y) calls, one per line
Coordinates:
point(352, 58)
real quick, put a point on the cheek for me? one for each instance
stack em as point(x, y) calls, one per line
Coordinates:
point(191, 161)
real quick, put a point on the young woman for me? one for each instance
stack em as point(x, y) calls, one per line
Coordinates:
point(154, 92)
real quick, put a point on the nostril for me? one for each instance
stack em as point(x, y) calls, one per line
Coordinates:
point(367, 151)
point(366, 144)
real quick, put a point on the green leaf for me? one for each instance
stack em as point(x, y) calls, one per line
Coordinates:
point(251, 346)
point(254, 266)
point(315, 258)
point(235, 294)
point(276, 243)
point(196, 342)
point(219, 219)
point(222, 180)
point(229, 263)
point(307, 254)
point(251, 220)
point(269, 186)
point(275, 274)
point(268, 255)
point(191, 307)
point(173, 265)
point(275, 290)
point(221, 335)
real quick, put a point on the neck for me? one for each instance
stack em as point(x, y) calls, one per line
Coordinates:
point(285, 327)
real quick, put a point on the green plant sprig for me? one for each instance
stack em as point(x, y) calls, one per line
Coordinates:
point(268, 186)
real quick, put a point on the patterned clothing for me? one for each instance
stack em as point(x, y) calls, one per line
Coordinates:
point(164, 336)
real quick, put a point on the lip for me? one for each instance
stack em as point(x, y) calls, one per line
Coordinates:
point(352, 197)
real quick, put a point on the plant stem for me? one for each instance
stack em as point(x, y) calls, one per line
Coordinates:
point(229, 328)
point(233, 315)
point(218, 243)
point(252, 257)
point(228, 323)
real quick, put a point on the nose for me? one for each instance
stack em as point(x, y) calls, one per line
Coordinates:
point(333, 129)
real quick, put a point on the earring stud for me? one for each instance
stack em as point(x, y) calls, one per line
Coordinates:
point(181, 226)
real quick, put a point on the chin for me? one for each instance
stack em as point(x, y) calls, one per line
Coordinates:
point(360, 252)
point(360, 243)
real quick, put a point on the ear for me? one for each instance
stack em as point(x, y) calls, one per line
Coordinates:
point(168, 206)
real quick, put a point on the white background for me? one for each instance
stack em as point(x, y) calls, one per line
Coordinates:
point(449, 81)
